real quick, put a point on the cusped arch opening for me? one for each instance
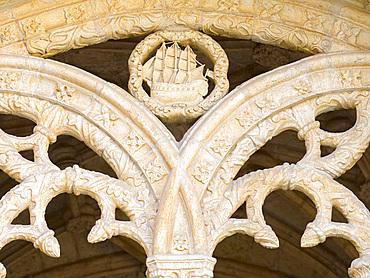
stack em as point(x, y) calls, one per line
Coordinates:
point(339, 120)
point(15, 125)
point(240, 256)
point(68, 151)
point(6, 183)
point(357, 178)
point(23, 218)
point(72, 218)
point(288, 213)
point(337, 254)
point(282, 148)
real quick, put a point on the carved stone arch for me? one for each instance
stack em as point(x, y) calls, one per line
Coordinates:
point(177, 176)
point(66, 100)
point(44, 28)
point(261, 109)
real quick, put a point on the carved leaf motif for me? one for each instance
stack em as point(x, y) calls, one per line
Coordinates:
point(271, 11)
point(133, 141)
point(8, 80)
point(293, 38)
point(315, 21)
point(75, 14)
point(348, 33)
point(231, 5)
point(267, 104)
point(155, 171)
point(64, 93)
point(303, 87)
point(351, 79)
point(180, 243)
point(203, 171)
point(221, 146)
point(7, 33)
point(33, 26)
point(183, 3)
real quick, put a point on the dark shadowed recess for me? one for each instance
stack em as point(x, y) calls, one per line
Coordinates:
point(285, 147)
point(241, 256)
point(68, 151)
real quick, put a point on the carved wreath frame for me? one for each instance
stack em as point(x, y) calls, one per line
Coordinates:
point(179, 112)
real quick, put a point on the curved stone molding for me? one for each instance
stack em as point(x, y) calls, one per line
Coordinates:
point(65, 100)
point(43, 29)
point(287, 98)
point(180, 197)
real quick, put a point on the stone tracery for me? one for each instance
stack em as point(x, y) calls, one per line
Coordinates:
point(160, 183)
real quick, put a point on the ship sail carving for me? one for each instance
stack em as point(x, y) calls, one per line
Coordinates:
point(174, 77)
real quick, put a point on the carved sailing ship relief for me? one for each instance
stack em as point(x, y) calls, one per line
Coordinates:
point(173, 76)
point(177, 81)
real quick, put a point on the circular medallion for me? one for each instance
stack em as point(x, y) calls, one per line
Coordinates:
point(178, 83)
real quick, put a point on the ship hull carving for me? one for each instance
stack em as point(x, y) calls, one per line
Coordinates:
point(179, 90)
point(173, 76)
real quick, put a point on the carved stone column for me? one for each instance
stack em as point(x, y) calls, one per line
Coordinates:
point(180, 266)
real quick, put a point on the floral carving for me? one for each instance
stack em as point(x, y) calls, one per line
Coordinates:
point(315, 21)
point(271, 10)
point(351, 79)
point(293, 38)
point(229, 5)
point(267, 104)
point(203, 171)
point(7, 33)
point(114, 5)
point(183, 3)
point(64, 93)
point(246, 119)
point(107, 116)
point(75, 14)
point(348, 33)
point(217, 23)
point(33, 26)
point(152, 4)
point(155, 171)
point(221, 145)
point(8, 80)
point(303, 87)
point(180, 243)
point(133, 142)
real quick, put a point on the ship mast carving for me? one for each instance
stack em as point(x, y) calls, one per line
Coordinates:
point(174, 77)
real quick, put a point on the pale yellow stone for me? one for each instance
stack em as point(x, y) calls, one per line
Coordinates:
point(180, 197)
